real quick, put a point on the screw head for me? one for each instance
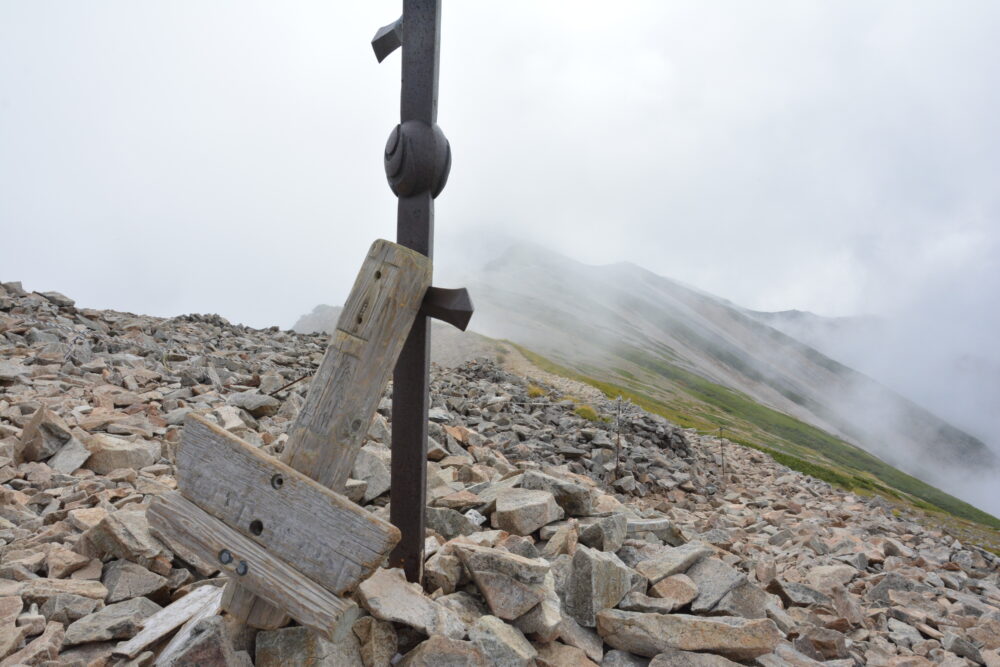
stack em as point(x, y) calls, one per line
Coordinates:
point(277, 481)
point(225, 557)
point(242, 568)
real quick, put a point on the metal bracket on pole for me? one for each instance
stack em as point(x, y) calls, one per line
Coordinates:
point(388, 39)
point(453, 306)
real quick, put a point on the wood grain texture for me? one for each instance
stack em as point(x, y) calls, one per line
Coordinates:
point(181, 638)
point(318, 532)
point(169, 619)
point(346, 389)
point(240, 602)
point(270, 578)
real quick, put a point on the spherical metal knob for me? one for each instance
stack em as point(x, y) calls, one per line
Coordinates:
point(417, 159)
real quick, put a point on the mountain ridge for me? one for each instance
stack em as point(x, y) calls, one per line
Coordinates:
point(625, 326)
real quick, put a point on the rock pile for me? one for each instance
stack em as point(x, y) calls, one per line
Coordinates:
point(544, 547)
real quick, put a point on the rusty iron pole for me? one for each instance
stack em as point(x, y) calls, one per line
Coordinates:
point(417, 162)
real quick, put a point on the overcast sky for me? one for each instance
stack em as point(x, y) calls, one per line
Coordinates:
point(198, 156)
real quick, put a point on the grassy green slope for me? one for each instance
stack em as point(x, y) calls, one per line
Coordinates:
point(692, 401)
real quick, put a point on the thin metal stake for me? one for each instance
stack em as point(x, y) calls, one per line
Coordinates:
point(722, 453)
point(618, 444)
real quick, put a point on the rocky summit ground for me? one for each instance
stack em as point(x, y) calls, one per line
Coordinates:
point(548, 543)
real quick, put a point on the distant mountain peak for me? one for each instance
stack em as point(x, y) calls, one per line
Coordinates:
point(622, 323)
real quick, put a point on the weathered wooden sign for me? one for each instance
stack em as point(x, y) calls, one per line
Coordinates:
point(281, 529)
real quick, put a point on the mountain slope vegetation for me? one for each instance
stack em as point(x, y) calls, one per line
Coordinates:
point(708, 364)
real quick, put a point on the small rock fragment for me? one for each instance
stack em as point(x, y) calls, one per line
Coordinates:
point(677, 589)
point(504, 644)
point(378, 641)
point(672, 560)
point(258, 405)
point(44, 435)
point(208, 645)
point(651, 634)
point(10, 634)
point(598, 580)
point(522, 511)
point(511, 584)
point(116, 621)
point(125, 580)
point(606, 533)
point(301, 646)
point(440, 651)
point(108, 453)
point(44, 647)
point(676, 658)
point(557, 654)
point(574, 498)
point(389, 597)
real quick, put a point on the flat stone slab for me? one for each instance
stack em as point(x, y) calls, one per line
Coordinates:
point(116, 621)
point(673, 560)
point(650, 634)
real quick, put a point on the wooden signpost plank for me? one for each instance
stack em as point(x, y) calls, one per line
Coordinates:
point(212, 607)
point(322, 534)
point(345, 392)
point(257, 568)
point(168, 619)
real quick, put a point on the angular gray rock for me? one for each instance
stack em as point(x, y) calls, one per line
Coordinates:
point(439, 651)
point(377, 641)
point(672, 560)
point(523, 511)
point(798, 595)
point(448, 522)
point(616, 658)
point(714, 580)
point(502, 643)
point(892, 581)
point(746, 599)
point(676, 658)
point(66, 608)
point(511, 584)
point(389, 597)
point(371, 468)
point(44, 435)
point(651, 634)
point(605, 533)
point(108, 453)
point(208, 645)
point(70, 457)
point(116, 621)
point(575, 499)
point(544, 621)
point(598, 580)
point(125, 580)
point(301, 646)
point(258, 405)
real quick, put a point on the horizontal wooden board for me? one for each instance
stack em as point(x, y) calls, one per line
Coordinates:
point(270, 578)
point(344, 393)
point(320, 533)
